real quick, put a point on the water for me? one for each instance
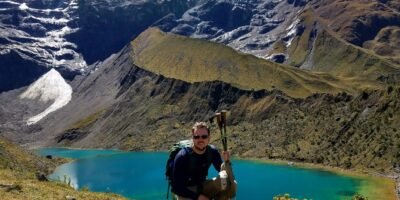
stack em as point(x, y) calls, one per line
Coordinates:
point(140, 175)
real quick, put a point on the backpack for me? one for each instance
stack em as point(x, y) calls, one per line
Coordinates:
point(172, 154)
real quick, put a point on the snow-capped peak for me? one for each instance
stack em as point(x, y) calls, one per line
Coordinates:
point(50, 87)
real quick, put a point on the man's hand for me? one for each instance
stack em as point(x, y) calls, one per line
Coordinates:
point(226, 156)
point(203, 197)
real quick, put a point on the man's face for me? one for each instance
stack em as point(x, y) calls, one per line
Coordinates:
point(201, 139)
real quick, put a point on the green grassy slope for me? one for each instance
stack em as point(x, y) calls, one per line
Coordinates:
point(18, 179)
point(326, 52)
point(194, 60)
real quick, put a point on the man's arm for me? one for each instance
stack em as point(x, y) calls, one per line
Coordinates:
point(217, 160)
point(180, 176)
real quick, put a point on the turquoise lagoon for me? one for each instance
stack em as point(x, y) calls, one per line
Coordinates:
point(140, 175)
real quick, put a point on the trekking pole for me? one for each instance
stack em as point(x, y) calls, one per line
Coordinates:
point(219, 122)
point(223, 119)
point(169, 187)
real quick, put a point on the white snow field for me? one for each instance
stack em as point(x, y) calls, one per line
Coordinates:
point(50, 87)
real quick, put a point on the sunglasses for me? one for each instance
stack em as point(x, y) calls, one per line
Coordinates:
point(200, 136)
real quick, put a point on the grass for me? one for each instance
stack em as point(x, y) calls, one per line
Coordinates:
point(30, 188)
point(87, 120)
point(331, 54)
point(357, 21)
point(195, 60)
point(278, 47)
point(347, 60)
point(386, 44)
point(378, 188)
point(23, 162)
point(301, 46)
point(18, 180)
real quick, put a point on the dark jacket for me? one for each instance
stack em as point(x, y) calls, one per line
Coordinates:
point(191, 169)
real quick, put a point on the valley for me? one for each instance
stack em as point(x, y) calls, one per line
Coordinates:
point(304, 81)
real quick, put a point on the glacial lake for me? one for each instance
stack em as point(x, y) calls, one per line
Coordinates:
point(140, 175)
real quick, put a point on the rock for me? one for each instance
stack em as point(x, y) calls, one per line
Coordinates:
point(10, 187)
point(69, 197)
point(69, 135)
point(41, 176)
point(278, 58)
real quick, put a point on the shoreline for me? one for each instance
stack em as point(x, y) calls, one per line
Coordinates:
point(373, 179)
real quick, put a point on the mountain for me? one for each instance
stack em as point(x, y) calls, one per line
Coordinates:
point(126, 105)
point(119, 22)
point(248, 26)
point(319, 49)
point(194, 60)
point(50, 87)
point(386, 43)
point(38, 35)
point(29, 105)
point(358, 21)
point(329, 97)
point(32, 40)
point(260, 27)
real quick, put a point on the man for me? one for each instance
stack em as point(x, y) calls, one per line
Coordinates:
point(191, 164)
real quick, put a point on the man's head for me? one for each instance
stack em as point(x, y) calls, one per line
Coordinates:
point(201, 136)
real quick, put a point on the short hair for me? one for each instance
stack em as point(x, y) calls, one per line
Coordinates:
point(199, 125)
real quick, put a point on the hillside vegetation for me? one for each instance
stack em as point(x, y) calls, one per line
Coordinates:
point(319, 49)
point(386, 43)
point(22, 177)
point(195, 60)
point(358, 21)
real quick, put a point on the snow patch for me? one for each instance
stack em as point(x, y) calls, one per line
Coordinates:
point(49, 87)
point(52, 49)
point(10, 2)
point(23, 7)
point(53, 20)
point(292, 29)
